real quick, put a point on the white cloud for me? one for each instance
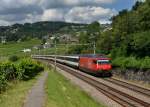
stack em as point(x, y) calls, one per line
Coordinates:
point(89, 14)
point(105, 1)
point(72, 3)
point(79, 14)
point(17, 3)
point(3, 22)
point(140, 0)
point(84, 11)
point(53, 15)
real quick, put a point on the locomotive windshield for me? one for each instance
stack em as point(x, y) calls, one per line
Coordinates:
point(103, 62)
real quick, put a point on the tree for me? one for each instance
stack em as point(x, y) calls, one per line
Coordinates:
point(91, 34)
point(144, 15)
point(141, 44)
point(137, 5)
point(104, 43)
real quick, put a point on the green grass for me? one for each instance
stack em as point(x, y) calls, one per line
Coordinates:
point(16, 93)
point(14, 48)
point(59, 50)
point(61, 93)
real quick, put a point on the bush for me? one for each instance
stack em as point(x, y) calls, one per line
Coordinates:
point(28, 68)
point(24, 70)
point(13, 58)
point(145, 63)
point(118, 62)
point(7, 72)
point(132, 62)
point(3, 82)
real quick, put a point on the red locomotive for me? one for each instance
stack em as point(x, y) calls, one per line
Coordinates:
point(94, 64)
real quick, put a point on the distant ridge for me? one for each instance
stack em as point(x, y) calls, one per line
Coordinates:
point(31, 30)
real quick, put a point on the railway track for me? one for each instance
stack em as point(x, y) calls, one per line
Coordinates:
point(120, 97)
point(133, 87)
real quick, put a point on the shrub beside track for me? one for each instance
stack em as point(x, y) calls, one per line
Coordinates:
point(24, 70)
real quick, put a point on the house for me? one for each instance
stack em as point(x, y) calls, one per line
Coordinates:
point(26, 50)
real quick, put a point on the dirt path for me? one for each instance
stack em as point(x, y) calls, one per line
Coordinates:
point(36, 95)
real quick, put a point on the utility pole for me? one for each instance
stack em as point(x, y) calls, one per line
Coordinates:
point(66, 49)
point(55, 55)
point(39, 51)
point(66, 45)
point(94, 47)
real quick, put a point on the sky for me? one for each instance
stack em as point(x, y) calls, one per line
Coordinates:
point(76, 11)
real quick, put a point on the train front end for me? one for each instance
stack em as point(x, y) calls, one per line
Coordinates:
point(103, 66)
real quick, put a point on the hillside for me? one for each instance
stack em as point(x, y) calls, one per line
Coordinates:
point(32, 30)
point(14, 48)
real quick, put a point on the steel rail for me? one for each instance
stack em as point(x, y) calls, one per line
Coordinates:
point(141, 90)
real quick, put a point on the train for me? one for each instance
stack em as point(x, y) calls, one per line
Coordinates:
point(98, 65)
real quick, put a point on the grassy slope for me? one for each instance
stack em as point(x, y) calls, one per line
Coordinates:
point(15, 95)
point(15, 48)
point(61, 93)
point(60, 50)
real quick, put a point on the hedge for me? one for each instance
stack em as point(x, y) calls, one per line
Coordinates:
point(131, 62)
point(24, 70)
point(28, 68)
